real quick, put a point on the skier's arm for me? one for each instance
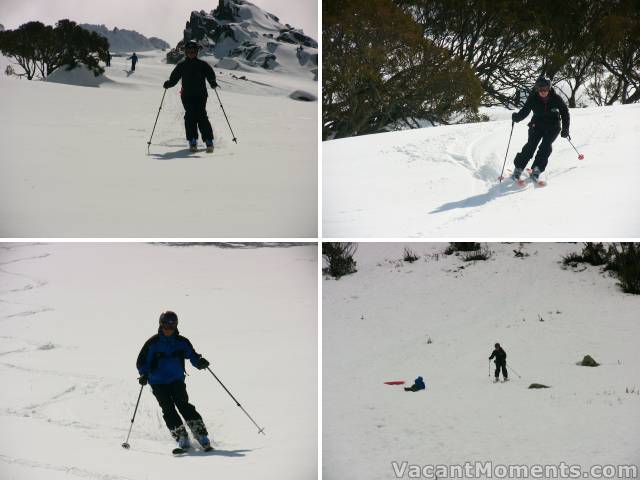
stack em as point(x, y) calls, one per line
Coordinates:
point(143, 363)
point(175, 76)
point(524, 111)
point(190, 353)
point(492, 355)
point(210, 75)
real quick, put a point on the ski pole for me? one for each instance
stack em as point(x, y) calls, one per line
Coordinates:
point(509, 367)
point(580, 156)
point(260, 430)
point(154, 125)
point(227, 118)
point(126, 442)
point(507, 152)
point(489, 367)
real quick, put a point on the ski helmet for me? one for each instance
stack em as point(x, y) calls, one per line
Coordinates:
point(543, 82)
point(191, 44)
point(497, 345)
point(168, 318)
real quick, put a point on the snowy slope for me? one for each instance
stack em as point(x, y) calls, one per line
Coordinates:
point(376, 324)
point(74, 159)
point(442, 181)
point(74, 317)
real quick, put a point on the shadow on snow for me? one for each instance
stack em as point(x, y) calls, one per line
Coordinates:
point(496, 191)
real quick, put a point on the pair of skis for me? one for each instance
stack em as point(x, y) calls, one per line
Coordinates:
point(182, 451)
point(521, 182)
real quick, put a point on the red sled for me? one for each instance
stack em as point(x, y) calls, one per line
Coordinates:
point(395, 382)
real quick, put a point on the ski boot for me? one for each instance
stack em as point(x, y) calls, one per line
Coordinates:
point(496, 380)
point(184, 443)
point(505, 379)
point(209, 146)
point(535, 174)
point(193, 145)
point(515, 176)
point(206, 444)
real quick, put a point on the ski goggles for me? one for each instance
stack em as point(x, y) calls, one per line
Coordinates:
point(543, 89)
point(168, 324)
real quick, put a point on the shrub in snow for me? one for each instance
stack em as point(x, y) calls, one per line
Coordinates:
point(339, 258)
point(592, 253)
point(483, 254)
point(624, 261)
point(538, 385)
point(462, 247)
point(588, 361)
point(409, 255)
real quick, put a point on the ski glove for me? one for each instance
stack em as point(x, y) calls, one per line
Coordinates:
point(564, 133)
point(202, 363)
point(166, 84)
point(142, 380)
point(514, 117)
point(214, 85)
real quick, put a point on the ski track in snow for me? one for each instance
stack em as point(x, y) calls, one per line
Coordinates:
point(75, 471)
point(32, 283)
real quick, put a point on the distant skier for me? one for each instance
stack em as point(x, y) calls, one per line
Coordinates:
point(134, 60)
point(108, 61)
point(501, 362)
point(418, 384)
point(548, 108)
point(193, 73)
point(161, 364)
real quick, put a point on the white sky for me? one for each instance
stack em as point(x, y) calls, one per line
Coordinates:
point(152, 18)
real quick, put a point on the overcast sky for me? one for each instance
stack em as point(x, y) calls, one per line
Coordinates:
point(152, 18)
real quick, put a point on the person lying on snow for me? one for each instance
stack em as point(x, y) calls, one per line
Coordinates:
point(418, 384)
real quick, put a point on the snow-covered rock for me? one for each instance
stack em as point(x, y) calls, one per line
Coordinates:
point(243, 31)
point(80, 76)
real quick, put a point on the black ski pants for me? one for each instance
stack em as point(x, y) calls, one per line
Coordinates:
point(174, 395)
point(547, 134)
point(502, 366)
point(195, 116)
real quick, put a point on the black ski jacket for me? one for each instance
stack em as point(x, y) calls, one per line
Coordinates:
point(193, 73)
point(500, 355)
point(545, 114)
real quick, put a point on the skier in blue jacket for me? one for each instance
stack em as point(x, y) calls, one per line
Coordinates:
point(161, 365)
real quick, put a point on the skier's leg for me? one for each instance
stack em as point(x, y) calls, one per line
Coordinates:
point(523, 157)
point(190, 118)
point(497, 371)
point(203, 120)
point(542, 157)
point(504, 371)
point(187, 410)
point(171, 418)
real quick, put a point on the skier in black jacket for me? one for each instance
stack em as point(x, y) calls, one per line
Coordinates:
point(193, 73)
point(161, 364)
point(501, 362)
point(548, 108)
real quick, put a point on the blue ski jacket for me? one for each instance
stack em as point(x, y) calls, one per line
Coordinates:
point(162, 358)
point(419, 383)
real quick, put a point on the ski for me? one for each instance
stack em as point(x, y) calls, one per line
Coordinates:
point(179, 451)
point(208, 448)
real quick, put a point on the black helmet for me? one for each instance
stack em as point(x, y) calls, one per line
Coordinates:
point(191, 44)
point(497, 345)
point(543, 82)
point(168, 318)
